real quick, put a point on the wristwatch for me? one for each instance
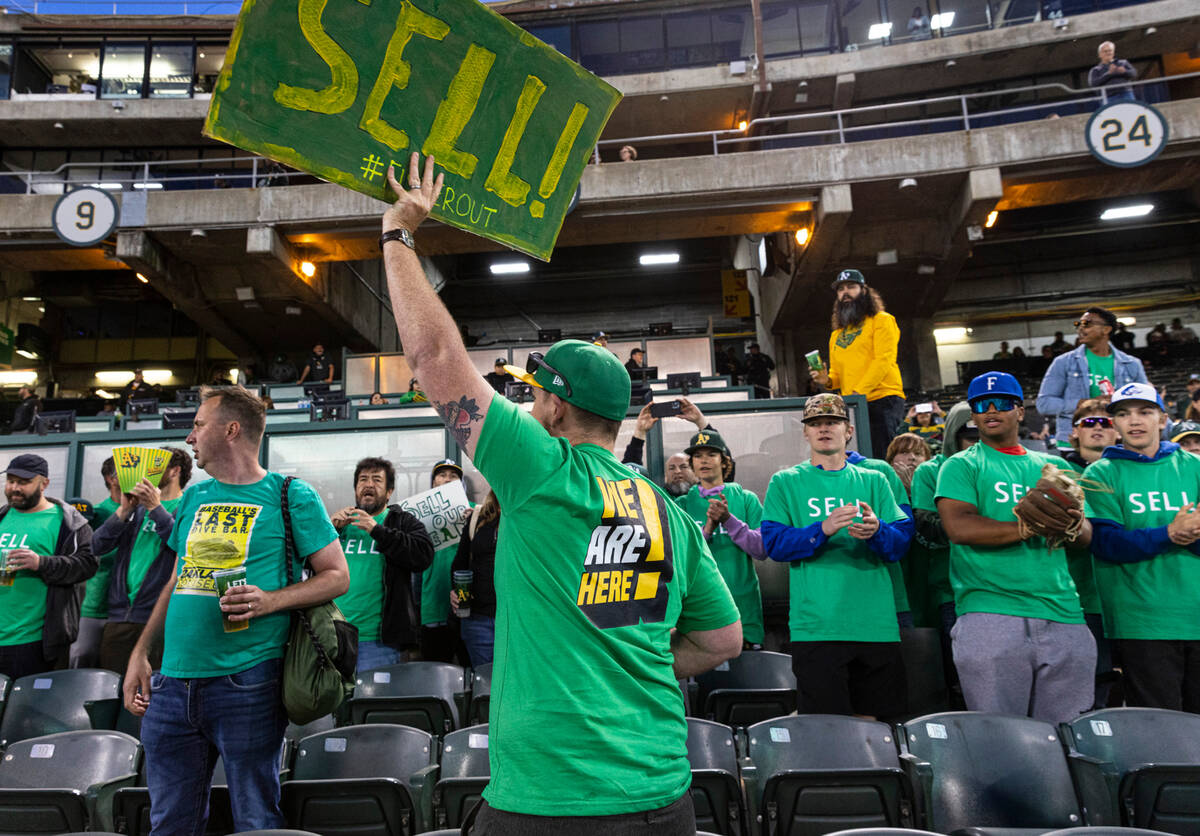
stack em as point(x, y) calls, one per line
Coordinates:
point(401, 234)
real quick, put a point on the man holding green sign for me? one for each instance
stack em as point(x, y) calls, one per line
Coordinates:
point(327, 89)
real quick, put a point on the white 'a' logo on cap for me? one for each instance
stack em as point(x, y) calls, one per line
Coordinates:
point(991, 383)
point(844, 275)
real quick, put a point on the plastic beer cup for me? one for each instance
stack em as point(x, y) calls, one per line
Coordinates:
point(6, 577)
point(462, 579)
point(224, 579)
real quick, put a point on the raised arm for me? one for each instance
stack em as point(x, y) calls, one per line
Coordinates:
point(432, 344)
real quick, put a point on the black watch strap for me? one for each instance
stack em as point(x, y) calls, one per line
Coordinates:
point(401, 234)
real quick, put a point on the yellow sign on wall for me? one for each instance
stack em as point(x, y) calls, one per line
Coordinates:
point(735, 293)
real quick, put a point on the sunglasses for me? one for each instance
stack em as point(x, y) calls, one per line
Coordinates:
point(1095, 421)
point(1087, 323)
point(538, 360)
point(1002, 405)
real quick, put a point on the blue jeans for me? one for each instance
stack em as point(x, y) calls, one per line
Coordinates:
point(479, 635)
point(190, 722)
point(372, 655)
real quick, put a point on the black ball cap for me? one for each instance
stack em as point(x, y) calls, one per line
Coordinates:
point(27, 465)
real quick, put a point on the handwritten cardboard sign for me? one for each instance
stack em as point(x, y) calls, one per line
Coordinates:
point(341, 90)
point(442, 511)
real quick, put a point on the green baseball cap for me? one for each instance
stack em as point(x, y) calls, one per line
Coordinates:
point(582, 374)
point(1183, 429)
point(707, 439)
point(849, 276)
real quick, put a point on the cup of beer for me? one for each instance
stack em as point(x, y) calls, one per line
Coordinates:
point(224, 579)
point(461, 583)
point(7, 576)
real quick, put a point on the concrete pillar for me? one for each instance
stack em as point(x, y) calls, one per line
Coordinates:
point(918, 358)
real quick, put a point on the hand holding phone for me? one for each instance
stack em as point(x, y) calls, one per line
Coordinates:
point(666, 409)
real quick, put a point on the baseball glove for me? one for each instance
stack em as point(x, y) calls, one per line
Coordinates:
point(1044, 511)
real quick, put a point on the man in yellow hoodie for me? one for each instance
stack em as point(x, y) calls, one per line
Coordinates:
point(862, 356)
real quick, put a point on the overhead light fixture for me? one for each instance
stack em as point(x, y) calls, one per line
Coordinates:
point(308, 269)
point(1150, 30)
point(199, 233)
point(41, 308)
point(58, 126)
point(1117, 213)
point(942, 21)
point(507, 268)
point(652, 259)
point(141, 278)
point(244, 294)
point(201, 55)
point(114, 377)
point(926, 269)
point(147, 185)
point(908, 183)
point(108, 187)
point(1128, 321)
point(742, 125)
point(879, 31)
point(950, 62)
point(950, 335)
point(802, 236)
point(886, 257)
point(157, 376)
point(991, 219)
point(31, 298)
point(974, 232)
point(293, 310)
point(28, 355)
point(18, 378)
point(104, 393)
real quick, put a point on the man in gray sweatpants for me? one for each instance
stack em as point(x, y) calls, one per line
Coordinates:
point(1021, 645)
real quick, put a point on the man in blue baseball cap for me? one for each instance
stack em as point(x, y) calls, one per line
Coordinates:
point(1021, 645)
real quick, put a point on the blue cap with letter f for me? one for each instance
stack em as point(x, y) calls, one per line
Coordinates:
point(994, 384)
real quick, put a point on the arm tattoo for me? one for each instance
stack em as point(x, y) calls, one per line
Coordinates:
point(458, 417)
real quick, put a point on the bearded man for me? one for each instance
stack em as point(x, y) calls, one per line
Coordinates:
point(862, 356)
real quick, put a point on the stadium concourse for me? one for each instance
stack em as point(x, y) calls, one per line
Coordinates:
point(834, 473)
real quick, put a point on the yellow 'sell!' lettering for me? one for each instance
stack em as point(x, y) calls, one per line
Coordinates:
point(456, 111)
point(558, 160)
point(343, 86)
point(501, 181)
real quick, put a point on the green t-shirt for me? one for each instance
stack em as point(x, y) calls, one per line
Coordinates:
point(220, 526)
point(1079, 564)
point(1156, 598)
point(1099, 368)
point(1021, 579)
point(594, 566)
point(737, 567)
point(844, 592)
point(23, 605)
point(900, 494)
point(146, 548)
point(435, 587)
point(363, 602)
point(924, 489)
point(95, 598)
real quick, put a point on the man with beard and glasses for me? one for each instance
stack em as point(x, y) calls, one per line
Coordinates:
point(862, 356)
point(384, 545)
point(47, 548)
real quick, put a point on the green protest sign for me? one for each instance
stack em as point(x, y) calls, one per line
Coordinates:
point(341, 90)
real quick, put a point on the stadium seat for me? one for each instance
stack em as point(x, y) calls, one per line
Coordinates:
point(275, 833)
point(63, 781)
point(422, 695)
point(481, 694)
point(816, 773)
point(757, 685)
point(1101, 830)
point(295, 733)
point(1138, 767)
point(4, 684)
point(716, 787)
point(368, 780)
point(921, 648)
point(463, 775)
point(60, 701)
point(883, 831)
point(983, 772)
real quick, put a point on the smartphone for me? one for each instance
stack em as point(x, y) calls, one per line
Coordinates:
point(924, 407)
point(666, 410)
point(814, 360)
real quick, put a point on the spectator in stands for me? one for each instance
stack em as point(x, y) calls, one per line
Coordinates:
point(862, 356)
point(1003, 353)
point(679, 475)
point(93, 614)
point(1018, 353)
point(26, 411)
point(477, 553)
point(1047, 352)
point(138, 534)
point(1145, 544)
point(48, 553)
point(1059, 345)
point(628, 154)
point(282, 369)
point(834, 523)
point(439, 636)
point(137, 389)
point(1187, 435)
point(1122, 337)
point(905, 454)
point(1157, 337)
point(636, 363)
point(918, 25)
point(220, 690)
point(498, 378)
point(1020, 643)
point(1112, 74)
point(415, 393)
point(569, 631)
point(926, 420)
point(319, 368)
point(1180, 334)
point(728, 364)
point(377, 399)
point(1090, 371)
point(600, 338)
point(731, 518)
point(758, 371)
point(384, 545)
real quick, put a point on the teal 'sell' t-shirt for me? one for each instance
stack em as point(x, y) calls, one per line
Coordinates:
point(900, 493)
point(362, 603)
point(844, 592)
point(220, 526)
point(23, 605)
point(594, 566)
point(1157, 598)
point(737, 567)
point(1022, 579)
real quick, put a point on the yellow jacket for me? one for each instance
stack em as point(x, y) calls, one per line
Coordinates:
point(862, 361)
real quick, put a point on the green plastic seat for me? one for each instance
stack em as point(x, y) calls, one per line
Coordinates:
point(819, 773)
point(989, 773)
point(481, 694)
point(60, 701)
point(422, 695)
point(716, 786)
point(1138, 767)
point(463, 774)
point(755, 686)
point(368, 780)
point(63, 782)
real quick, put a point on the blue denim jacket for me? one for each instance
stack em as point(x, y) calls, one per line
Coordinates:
point(1066, 384)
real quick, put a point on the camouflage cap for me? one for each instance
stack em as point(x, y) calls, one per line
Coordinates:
point(827, 405)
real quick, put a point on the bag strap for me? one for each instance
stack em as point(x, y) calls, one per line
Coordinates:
point(289, 549)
